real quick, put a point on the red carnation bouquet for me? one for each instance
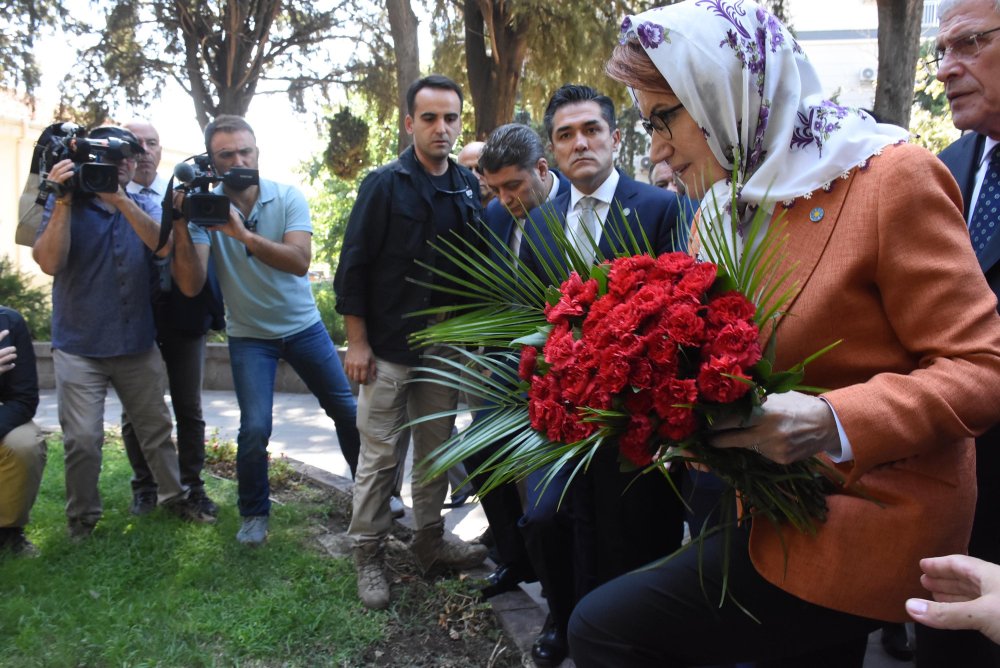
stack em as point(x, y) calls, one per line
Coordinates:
point(645, 355)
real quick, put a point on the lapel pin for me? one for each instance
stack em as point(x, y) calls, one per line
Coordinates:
point(626, 212)
point(816, 214)
point(468, 193)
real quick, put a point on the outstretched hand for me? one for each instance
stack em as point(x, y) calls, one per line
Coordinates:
point(792, 426)
point(966, 595)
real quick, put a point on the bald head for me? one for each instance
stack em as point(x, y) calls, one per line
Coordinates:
point(468, 157)
point(146, 163)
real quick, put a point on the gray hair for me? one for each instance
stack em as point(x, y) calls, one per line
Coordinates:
point(511, 144)
point(945, 7)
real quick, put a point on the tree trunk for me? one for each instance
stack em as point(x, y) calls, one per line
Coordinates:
point(898, 48)
point(403, 28)
point(494, 76)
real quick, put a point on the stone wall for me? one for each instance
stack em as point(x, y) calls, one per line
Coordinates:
point(218, 375)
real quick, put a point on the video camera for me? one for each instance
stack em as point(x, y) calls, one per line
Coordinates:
point(94, 157)
point(201, 206)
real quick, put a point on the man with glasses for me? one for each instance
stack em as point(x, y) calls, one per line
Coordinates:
point(98, 247)
point(181, 325)
point(601, 211)
point(967, 61)
point(382, 278)
point(262, 255)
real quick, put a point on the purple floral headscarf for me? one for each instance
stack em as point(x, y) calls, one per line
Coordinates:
point(746, 82)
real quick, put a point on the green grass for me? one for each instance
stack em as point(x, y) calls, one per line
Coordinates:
point(155, 591)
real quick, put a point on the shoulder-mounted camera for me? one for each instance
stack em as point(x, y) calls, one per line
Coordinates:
point(94, 155)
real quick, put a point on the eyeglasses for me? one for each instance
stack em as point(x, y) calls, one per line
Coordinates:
point(660, 121)
point(962, 48)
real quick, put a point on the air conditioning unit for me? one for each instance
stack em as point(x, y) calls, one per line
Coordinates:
point(867, 74)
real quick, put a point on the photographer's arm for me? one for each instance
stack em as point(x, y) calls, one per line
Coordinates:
point(189, 265)
point(51, 249)
point(143, 224)
point(293, 254)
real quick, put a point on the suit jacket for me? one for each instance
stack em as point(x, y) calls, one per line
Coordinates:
point(637, 209)
point(963, 158)
point(888, 269)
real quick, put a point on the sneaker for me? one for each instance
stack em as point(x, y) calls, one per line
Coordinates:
point(189, 511)
point(80, 530)
point(373, 588)
point(200, 499)
point(14, 543)
point(396, 507)
point(253, 532)
point(143, 503)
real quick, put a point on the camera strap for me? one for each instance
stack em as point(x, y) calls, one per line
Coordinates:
point(167, 216)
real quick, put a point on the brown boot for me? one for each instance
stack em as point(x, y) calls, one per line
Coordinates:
point(431, 549)
point(373, 588)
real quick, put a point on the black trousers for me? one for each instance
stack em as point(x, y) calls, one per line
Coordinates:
point(662, 617)
point(937, 648)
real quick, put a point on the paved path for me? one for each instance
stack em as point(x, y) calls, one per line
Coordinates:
point(302, 431)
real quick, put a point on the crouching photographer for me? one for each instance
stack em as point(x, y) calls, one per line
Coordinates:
point(97, 246)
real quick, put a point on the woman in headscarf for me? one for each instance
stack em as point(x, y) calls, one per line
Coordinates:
point(878, 248)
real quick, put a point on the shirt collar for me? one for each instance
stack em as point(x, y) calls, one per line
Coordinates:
point(605, 192)
point(987, 148)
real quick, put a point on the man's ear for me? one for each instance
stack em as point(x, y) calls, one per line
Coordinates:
point(616, 139)
point(408, 124)
point(542, 166)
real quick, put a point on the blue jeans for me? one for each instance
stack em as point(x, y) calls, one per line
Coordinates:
point(254, 362)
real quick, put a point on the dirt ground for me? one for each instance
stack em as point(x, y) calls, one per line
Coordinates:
point(434, 621)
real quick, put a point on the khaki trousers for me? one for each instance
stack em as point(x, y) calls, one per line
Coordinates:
point(81, 388)
point(395, 397)
point(22, 461)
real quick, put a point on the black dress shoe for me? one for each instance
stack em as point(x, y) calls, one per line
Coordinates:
point(457, 501)
point(550, 647)
point(505, 578)
point(896, 643)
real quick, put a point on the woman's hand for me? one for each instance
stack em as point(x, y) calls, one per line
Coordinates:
point(792, 426)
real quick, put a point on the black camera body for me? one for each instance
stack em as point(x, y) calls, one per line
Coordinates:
point(201, 206)
point(91, 156)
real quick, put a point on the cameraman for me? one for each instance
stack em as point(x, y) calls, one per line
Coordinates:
point(262, 256)
point(97, 246)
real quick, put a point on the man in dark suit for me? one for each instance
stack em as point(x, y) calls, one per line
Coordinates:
point(604, 213)
point(968, 50)
point(514, 167)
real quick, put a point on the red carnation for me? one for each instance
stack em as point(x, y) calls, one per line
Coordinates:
point(634, 442)
point(716, 383)
point(684, 324)
point(739, 340)
point(671, 266)
point(730, 307)
point(697, 280)
point(529, 360)
point(576, 295)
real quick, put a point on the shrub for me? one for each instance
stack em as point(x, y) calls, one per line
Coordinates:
point(18, 292)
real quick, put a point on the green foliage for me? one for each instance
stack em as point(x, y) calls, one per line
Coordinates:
point(930, 118)
point(334, 322)
point(347, 152)
point(18, 292)
point(158, 591)
point(222, 53)
point(21, 23)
